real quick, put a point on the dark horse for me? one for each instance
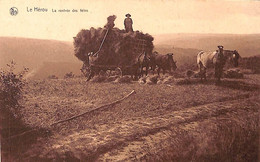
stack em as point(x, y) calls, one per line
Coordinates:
point(144, 61)
point(217, 60)
point(164, 62)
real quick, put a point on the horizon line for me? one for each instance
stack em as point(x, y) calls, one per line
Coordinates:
point(63, 40)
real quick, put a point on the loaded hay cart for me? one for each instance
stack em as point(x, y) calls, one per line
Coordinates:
point(110, 48)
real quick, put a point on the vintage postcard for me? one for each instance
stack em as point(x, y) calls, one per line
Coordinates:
point(136, 80)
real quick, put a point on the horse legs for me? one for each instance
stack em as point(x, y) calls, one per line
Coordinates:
point(204, 73)
point(146, 70)
point(91, 75)
point(200, 73)
point(135, 74)
point(152, 68)
point(142, 70)
point(218, 72)
point(159, 69)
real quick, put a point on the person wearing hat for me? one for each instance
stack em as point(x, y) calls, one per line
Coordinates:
point(220, 62)
point(128, 23)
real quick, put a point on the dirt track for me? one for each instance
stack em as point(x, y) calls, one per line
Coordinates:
point(194, 122)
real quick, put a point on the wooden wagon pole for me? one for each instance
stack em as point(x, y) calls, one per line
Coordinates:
point(101, 43)
point(76, 116)
point(20, 134)
point(98, 108)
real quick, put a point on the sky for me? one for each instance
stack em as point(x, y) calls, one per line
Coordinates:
point(149, 16)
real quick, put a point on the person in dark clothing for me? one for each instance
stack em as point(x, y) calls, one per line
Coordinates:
point(220, 53)
point(219, 63)
point(110, 22)
point(128, 23)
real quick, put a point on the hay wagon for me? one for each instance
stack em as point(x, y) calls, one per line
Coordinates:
point(111, 49)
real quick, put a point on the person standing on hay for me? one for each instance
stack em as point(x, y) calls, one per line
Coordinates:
point(110, 22)
point(128, 23)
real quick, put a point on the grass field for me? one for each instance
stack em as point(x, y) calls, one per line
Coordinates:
point(176, 122)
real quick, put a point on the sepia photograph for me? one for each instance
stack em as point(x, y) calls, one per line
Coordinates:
point(136, 80)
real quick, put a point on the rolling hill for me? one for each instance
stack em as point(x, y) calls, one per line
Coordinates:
point(45, 56)
point(247, 45)
point(51, 57)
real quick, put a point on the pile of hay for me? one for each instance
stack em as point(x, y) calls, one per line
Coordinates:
point(123, 79)
point(152, 79)
point(168, 80)
point(118, 48)
point(230, 73)
point(114, 79)
point(233, 73)
point(155, 79)
point(182, 81)
point(190, 73)
point(99, 79)
point(142, 80)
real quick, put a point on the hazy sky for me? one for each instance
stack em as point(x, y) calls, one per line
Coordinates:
point(149, 16)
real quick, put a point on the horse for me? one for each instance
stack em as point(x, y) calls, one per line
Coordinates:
point(217, 60)
point(232, 57)
point(144, 61)
point(164, 62)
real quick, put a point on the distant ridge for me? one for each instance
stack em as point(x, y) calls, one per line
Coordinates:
point(42, 57)
point(53, 57)
point(246, 44)
point(33, 52)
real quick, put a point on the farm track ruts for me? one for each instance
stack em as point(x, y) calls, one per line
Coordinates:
point(175, 122)
point(164, 131)
point(227, 99)
point(139, 130)
point(111, 108)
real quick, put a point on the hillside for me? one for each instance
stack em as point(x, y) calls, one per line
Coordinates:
point(33, 52)
point(179, 120)
point(247, 45)
point(59, 69)
point(42, 57)
point(51, 57)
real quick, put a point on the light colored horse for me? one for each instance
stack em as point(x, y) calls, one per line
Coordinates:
point(217, 60)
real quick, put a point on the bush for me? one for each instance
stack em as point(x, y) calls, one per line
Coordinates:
point(11, 124)
point(11, 86)
point(69, 75)
point(52, 77)
point(252, 63)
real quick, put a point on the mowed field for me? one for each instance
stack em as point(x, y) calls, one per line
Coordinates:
point(179, 121)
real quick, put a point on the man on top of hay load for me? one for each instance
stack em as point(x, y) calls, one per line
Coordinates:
point(128, 23)
point(110, 22)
